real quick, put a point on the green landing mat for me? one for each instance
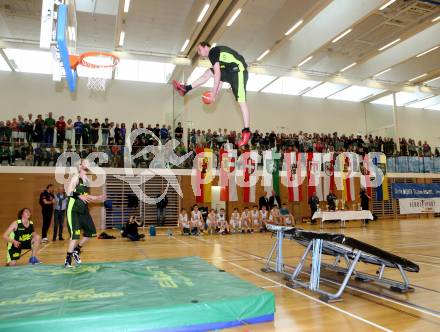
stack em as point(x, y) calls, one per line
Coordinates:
point(182, 294)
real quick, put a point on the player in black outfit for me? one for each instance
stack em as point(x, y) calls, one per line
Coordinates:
point(227, 66)
point(78, 214)
point(21, 235)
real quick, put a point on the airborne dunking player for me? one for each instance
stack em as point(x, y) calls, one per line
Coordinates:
point(227, 66)
point(78, 214)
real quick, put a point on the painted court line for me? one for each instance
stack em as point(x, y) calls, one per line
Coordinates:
point(315, 299)
point(433, 265)
point(427, 244)
point(421, 310)
point(221, 257)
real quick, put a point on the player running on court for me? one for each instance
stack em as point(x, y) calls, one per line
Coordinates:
point(227, 66)
point(78, 214)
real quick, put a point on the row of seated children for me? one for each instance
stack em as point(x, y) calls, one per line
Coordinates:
point(248, 221)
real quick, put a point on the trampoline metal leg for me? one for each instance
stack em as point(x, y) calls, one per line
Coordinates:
point(302, 261)
point(336, 262)
point(402, 272)
point(405, 288)
point(347, 261)
point(381, 271)
point(279, 258)
point(267, 268)
point(338, 294)
point(278, 247)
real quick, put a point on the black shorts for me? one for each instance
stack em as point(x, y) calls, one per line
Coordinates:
point(14, 254)
point(77, 222)
point(238, 81)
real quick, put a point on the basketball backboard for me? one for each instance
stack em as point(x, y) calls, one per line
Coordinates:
point(58, 33)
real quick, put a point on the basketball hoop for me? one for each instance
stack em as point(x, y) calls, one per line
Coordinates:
point(100, 67)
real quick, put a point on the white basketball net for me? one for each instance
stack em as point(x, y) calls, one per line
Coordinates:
point(96, 84)
point(98, 76)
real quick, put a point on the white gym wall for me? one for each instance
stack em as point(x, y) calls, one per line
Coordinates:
point(129, 102)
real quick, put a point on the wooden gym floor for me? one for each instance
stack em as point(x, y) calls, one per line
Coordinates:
point(299, 309)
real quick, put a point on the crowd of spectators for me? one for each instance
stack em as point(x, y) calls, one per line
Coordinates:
point(40, 141)
point(308, 142)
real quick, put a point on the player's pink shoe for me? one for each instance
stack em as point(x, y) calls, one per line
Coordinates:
point(180, 88)
point(245, 137)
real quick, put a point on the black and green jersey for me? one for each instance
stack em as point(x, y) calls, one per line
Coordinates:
point(233, 69)
point(76, 204)
point(78, 214)
point(229, 59)
point(23, 234)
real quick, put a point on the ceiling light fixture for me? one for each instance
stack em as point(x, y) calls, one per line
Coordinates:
point(185, 44)
point(297, 24)
point(71, 32)
point(417, 77)
point(342, 35)
point(432, 80)
point(263, 54)
point(389, 44)
point(387, 4)
point(234, 17)
point(426, 52)
point(121, 38)
point(382, 72)
point(126, 6)
point(203, 13)
point(304, 61)
point(348, 67)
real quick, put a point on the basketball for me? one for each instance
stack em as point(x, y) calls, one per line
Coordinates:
point(207, 97)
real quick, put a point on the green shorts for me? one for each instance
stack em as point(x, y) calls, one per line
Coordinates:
point(77, 222)
point(13, 254)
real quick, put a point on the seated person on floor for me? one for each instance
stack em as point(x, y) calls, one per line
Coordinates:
point(211, 222)
point(21, 235)
point(255, 217)
point(264, 218)
point(235, 221)
point(246, 221)
point(196, 222)
point(130, 230)
point(222, 222)
point(183, 222)
point(275, 217)
point(286, 216)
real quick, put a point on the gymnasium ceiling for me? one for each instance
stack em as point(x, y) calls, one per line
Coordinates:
point(155, 30)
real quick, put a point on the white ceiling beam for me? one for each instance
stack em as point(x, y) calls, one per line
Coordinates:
point(5, 57)
point(214, 20)
point(120, 20)
point(274, 71)
point(334, 19)
point(401, 52)
point(379, 95)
